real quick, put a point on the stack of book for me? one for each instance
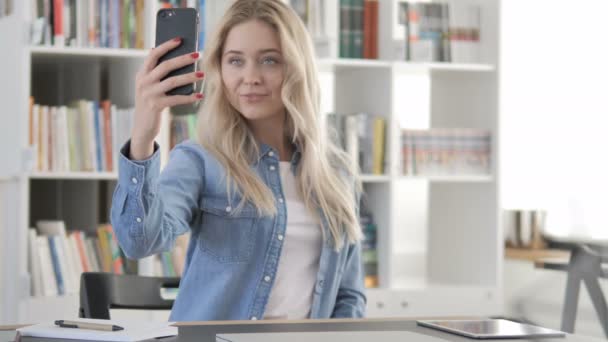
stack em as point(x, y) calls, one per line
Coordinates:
point(84, 136)
point(91, 23)
point(57, 258)
point(446, 152)
point(363, 137)
point(359, 29)
point(369, 246)
point(439, 32)
point(183, 127)
point(171, 264)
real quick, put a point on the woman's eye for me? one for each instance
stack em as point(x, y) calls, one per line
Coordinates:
point(235, 61)
point(269, 60)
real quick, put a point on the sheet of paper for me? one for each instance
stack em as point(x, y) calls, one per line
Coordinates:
point(133, 331)
point(334, 336)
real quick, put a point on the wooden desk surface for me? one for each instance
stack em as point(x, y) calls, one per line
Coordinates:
point(534, 255)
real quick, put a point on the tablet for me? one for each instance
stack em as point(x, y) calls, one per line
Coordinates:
point(490, 328)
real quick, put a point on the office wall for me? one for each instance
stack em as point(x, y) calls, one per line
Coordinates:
point(554, 67)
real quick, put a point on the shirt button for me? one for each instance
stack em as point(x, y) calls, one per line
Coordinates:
point(138, 219)
point(280, 237)
point(254, 318)
point(271, 167)
point(228, 209)
point(271, 153)
point(134, 180)
point(280, 200)
point(266, 278)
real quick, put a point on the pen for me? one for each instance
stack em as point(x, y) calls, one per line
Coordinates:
point(86, 325)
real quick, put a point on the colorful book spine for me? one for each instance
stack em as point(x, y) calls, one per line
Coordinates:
point(54, 246)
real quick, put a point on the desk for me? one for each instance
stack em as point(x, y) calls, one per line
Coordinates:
point(207, 331)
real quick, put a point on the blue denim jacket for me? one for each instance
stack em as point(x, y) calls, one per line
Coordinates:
point(230, 254)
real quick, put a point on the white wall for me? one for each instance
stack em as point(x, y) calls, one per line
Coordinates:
point(554, 120)
point(554, 110)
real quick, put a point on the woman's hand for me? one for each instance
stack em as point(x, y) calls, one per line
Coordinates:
point(150, 97)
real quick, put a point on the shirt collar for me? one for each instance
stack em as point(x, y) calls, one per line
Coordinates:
point(266, 149)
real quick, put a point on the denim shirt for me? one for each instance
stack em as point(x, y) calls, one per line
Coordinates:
point(232, 258)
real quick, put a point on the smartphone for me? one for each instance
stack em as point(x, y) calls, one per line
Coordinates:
point(183, 23)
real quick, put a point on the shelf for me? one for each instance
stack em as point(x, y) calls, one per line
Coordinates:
point(367, 178)
point(86, 52)
point(340, 63)
point(535, 254)
point(442, 66)
point(451, 179)
point(74, 175)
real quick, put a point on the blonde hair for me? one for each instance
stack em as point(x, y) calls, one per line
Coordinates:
point(326, 177)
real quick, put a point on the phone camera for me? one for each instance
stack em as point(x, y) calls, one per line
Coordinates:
point(166, 14)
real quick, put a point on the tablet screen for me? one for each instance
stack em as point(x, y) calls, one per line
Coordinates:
point(490, 328)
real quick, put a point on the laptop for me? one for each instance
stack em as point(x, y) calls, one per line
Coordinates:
point(490, 328)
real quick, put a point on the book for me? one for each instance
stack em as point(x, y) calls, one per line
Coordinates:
point(63, 259)
point(47, 268)
point(34, 264)
point(96, 23)
point(58, 267)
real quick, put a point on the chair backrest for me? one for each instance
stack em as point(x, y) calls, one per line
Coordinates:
point(99, 292)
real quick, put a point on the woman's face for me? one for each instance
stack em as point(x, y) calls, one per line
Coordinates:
point(252, 70)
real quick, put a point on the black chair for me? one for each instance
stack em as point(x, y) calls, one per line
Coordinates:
point(100, 292)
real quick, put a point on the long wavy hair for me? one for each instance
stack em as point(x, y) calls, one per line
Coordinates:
point(326, 176)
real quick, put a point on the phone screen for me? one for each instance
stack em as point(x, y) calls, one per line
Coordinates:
point(183, 23)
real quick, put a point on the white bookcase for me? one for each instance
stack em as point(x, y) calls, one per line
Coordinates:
point(439, 238)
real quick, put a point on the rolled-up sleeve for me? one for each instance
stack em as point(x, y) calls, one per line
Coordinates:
point(150, 209)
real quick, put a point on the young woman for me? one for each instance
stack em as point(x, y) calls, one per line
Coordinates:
point(270, 202)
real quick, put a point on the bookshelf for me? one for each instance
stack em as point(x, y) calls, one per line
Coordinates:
point(54, 52)
point(439, 236)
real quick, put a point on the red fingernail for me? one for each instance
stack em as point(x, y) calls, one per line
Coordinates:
point(200, 74)
point(194, 55)
point(199, 95)
point(177, 39)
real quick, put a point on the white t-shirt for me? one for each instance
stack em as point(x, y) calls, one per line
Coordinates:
point(292, 292)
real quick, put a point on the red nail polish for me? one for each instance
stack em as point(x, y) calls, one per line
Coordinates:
point(200, 74)
point(194, 55)
point(177, 39)
point(198, 95)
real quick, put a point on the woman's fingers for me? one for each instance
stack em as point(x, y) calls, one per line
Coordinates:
point(155, 54)
point(174, 100)
point(176, 81)
point(169, 65)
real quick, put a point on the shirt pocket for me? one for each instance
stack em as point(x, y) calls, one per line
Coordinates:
point(227, 236)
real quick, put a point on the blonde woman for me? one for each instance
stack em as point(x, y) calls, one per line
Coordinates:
point(270, 203)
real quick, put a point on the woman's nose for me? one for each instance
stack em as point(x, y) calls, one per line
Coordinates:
point(252, 74)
